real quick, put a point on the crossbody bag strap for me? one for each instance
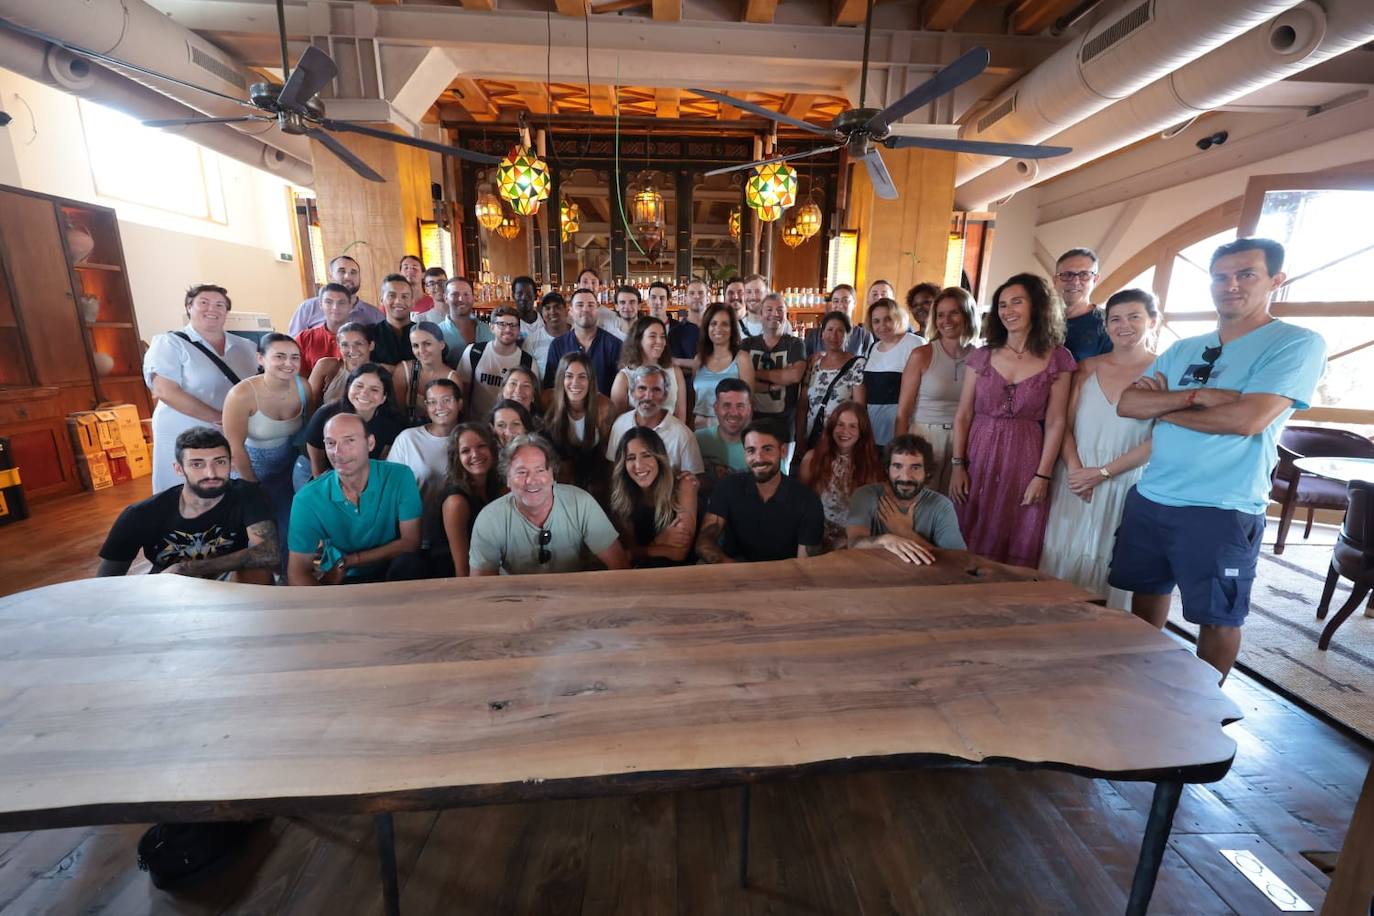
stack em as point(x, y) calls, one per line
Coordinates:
point(230, 374)
point(825, 398)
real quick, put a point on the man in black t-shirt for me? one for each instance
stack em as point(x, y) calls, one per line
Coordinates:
point(207, 527)
point(761, 514)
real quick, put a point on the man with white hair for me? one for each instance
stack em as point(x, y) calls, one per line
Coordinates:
point(648, 391)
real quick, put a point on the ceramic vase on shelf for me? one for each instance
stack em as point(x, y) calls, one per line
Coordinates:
point(104, 363)
point(79, 242)
point(90, 309)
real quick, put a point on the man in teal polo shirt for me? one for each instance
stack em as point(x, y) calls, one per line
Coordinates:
point(359, 522)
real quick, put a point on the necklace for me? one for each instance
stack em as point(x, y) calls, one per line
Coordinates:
point(1019, 353)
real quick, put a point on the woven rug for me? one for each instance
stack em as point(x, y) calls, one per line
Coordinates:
point(1280, 635)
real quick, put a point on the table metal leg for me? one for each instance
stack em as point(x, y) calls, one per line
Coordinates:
point(744, 835)
point(1152, 848)
point(386, 856)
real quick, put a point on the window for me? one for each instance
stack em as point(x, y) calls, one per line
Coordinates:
point(1330, 252)
point(146, 166)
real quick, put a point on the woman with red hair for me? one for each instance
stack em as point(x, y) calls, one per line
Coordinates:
point(845, 459)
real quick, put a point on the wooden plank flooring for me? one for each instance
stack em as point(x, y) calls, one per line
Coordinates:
point(948, 841)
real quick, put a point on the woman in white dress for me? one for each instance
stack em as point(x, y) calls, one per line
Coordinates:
point(190, 372)
point(1103, 455)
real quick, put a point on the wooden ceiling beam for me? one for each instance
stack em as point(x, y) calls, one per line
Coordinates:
point(848, 12)
point(797, 105)
point(601, 101)
point(1033, 18)
point(533, 97)
point(943, 15)
point(667, 10)
point(668, 103)
point(486, 5)
point(760, 11)
point(475, 100)
point(570, 7)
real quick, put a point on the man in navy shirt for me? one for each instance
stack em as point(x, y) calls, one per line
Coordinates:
point(1085, 328)
point(601, 347)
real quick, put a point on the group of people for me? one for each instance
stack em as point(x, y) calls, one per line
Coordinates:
point(418, 441)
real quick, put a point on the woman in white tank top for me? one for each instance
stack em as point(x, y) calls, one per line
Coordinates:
point(934, 377)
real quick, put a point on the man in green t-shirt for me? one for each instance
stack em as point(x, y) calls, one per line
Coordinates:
point(722, 449)
point(902, 516)
point(541, 526)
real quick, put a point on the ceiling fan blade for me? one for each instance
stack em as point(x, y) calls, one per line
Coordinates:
point(749, 165)
point(344, 153)
point(187, 122)
point(877, 173)
point(979, 147)
point(969, 65)
point(764, 112)
point(444, 149)
point(312, 73)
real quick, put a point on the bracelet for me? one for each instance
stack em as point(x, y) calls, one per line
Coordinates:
point(958, 462)
point(1192, 397)
point(1043, 477)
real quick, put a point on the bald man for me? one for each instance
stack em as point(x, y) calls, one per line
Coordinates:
point(359, 522)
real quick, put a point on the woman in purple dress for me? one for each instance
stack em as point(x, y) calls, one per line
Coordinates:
point(1010, 423)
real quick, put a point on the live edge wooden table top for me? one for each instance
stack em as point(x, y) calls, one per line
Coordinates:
point(167, 698)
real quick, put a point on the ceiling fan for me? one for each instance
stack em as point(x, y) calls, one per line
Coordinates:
point(861, 130)
point(295, 106)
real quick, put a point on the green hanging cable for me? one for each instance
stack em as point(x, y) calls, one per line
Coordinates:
point(619, 198)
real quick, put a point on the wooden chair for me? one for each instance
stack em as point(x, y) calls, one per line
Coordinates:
point(1292, 489)
point(1352, 557)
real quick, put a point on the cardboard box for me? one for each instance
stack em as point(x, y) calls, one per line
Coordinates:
point(140, 460)
point(85, 430)
point(129, 424)
point(118, 459)
point(95, 471)
point(108, 429)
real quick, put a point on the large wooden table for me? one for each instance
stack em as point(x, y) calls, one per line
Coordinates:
point(163, 698)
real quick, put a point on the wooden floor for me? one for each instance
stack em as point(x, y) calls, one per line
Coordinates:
point(954, 841)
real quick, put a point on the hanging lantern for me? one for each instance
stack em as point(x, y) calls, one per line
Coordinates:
point(808, 219)
point(570, 219)
point(792, 235)
point(647, 207)
point(509, 227)
point(488, 211)
point(770, 213)
point(524, 180)
point(771, 185)
point(736, 224)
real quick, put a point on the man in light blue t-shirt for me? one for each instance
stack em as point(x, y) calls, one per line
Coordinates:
point(1219, 402)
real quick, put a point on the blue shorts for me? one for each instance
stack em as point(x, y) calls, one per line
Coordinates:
point(1209, 553)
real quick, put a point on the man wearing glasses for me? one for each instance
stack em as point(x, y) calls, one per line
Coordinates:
point(541, 526)
point(1219, 402)
point(431, 306)
point(1085, 328)
point(483, 366)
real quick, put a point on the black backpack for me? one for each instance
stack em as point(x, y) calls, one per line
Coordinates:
point(173, 854)
point(475, 356)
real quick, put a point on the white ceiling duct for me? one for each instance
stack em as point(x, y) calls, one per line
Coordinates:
point(1142, 41)
point(55, 67)
point(133, 31)
point(1290, 43)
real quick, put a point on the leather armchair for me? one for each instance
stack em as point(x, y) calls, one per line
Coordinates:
point(1292, 489)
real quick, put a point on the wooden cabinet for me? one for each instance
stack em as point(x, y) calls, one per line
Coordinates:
point(68, 335)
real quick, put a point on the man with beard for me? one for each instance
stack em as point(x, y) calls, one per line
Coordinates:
point(540, 526)
point(391, 336)
point(483, 367)
point(685, 336)
point(359, 522)
point(733, 296)
point(460, 329)
point(648, 391)
point(722, 445)
point(208, 527)
point(601, 346)
point(761, 514)
point(902, 516)
point(323, 340)
point(344, 271)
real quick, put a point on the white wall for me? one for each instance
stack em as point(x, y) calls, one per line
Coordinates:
point(44, 149)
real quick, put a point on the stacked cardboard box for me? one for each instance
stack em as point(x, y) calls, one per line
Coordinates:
point(109, 445)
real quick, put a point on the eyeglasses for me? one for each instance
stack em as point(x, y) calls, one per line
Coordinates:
point(1083, 276)
point(545, 537)
point(1209, 357)
point(506, 324)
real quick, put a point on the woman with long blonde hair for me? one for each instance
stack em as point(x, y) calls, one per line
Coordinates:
point(654, 511)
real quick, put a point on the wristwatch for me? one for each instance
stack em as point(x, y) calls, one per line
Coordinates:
point(1106, 474)
point(958, 462)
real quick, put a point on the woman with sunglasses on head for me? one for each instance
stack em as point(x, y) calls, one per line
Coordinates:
point(1103, 454)
point(1010, 424)
point(654, 511)
point(329, 376)
point(413, 376)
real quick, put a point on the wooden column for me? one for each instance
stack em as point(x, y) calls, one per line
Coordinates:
point(374, 223)
point(620, 256)
point(685, 208)
point(904, 241)
point(471, 229)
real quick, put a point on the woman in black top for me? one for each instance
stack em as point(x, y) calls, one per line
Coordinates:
point(655, 513)
point(367, 394)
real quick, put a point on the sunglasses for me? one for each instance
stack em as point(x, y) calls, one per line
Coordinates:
point(1209, 357)
point(545, 537)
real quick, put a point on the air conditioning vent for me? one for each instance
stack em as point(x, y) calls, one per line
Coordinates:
point(1117, 31)
point(997, 114)
point(217, 67)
